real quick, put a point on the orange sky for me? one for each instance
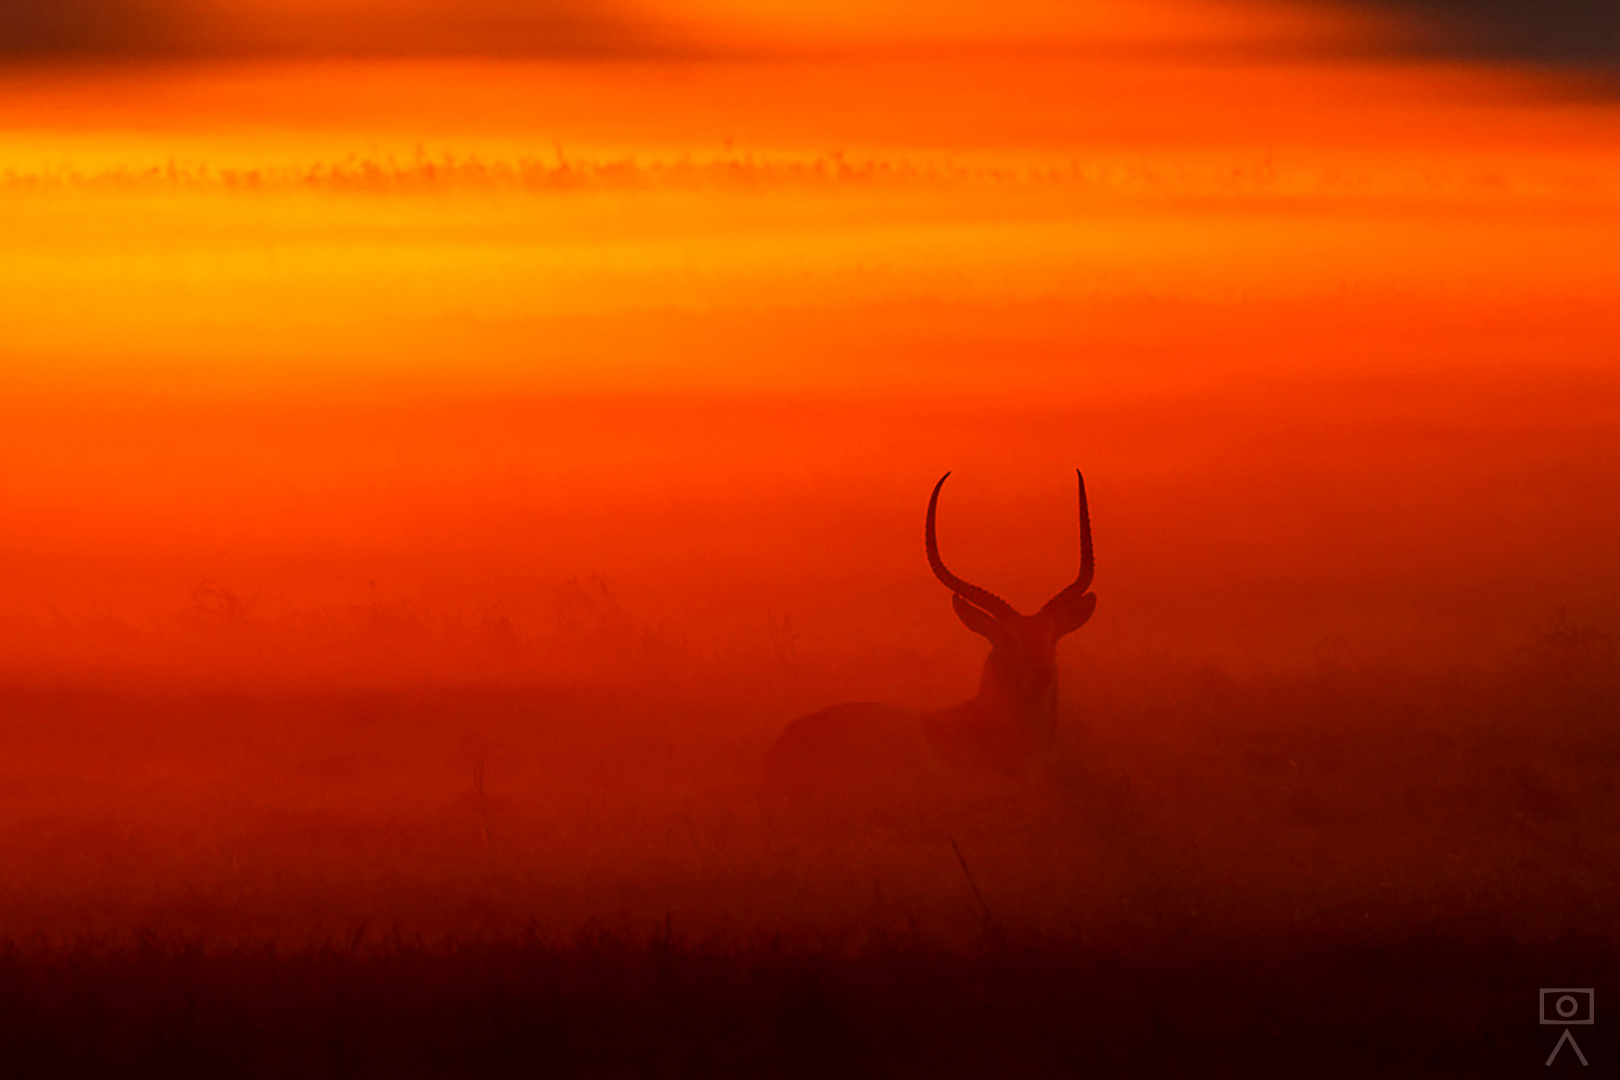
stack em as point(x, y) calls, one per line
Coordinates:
point(335, 333)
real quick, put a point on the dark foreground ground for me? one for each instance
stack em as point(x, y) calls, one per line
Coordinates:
point(606, 1004)
point(1356, 871)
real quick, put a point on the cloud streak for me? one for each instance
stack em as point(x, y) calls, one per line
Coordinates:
point(1580, 33)
point(45, 29)
point(57, 29)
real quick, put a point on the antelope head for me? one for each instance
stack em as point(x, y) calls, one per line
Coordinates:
point(1020, 676)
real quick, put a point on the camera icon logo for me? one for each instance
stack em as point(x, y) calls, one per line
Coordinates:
point(1567, 1006)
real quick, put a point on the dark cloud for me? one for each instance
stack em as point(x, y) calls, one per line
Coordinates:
point(49, 29)
point(66, 27)
point(1575, 33)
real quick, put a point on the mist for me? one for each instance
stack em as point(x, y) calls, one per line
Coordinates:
point(431, 488)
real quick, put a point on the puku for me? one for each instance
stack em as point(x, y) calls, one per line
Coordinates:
point(1006, 729)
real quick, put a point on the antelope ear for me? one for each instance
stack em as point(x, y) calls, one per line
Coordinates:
point(976, 619)
point(1069, 613)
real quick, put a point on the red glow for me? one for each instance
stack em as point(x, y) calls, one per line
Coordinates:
point(425, 482)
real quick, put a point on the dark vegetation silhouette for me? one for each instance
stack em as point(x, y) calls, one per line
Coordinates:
point(603, 1004)
point(1007, 728)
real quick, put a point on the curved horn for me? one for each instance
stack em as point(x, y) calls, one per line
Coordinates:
point(983, 598)
point(1087, 562)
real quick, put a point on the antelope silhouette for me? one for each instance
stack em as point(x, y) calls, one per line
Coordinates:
point(1006, 729)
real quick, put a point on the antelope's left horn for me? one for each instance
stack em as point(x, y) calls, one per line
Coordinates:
point(982, 598)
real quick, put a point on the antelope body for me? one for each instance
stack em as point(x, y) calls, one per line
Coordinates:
point(1006, 729)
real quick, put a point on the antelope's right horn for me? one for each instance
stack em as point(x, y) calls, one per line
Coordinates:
point(1087, 562)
